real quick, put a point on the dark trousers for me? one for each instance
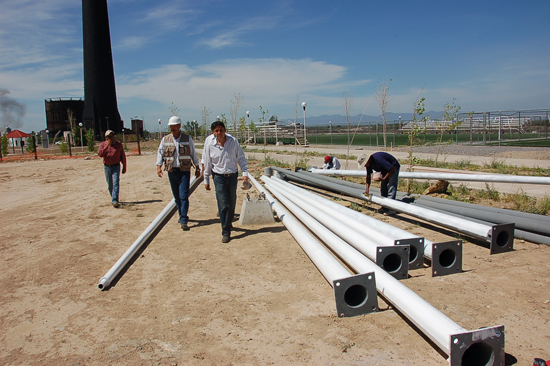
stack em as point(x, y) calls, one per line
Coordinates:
point(388, 188)
point(226, 195)
point(179, 182)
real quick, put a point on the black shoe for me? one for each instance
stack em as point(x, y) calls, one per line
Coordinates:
point(115, 204)
point(184, 227)
point(226, 239)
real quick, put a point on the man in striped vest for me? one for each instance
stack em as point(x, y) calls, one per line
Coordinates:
point(177, 153)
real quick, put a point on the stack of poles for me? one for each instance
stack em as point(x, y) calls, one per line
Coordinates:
point(483, 346)
point(448, 255)
point(355, 295)
point(528, 226)
point(500, 237)
point(469, 177)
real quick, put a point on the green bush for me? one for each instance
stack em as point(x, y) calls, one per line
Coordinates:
point(64, 147)
point(29, 146)
point(90, 140)
point(4, 144)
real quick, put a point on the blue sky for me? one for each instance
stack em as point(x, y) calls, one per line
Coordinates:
point(488, 55)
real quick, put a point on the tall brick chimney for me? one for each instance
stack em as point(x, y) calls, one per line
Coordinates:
point(100, 103)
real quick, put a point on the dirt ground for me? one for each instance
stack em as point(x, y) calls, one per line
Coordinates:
point(188, 299)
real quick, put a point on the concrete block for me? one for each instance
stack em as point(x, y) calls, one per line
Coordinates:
point(256, 212)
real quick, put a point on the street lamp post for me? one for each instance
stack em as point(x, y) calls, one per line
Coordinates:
point(81, 142)
point(330, 126)
point(304, 104)
point(247, 127)
point(160, 121)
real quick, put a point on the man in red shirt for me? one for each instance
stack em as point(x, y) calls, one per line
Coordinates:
point(113, 154)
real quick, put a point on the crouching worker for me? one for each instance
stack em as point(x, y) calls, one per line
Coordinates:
point(388, 168)
point(331, 162)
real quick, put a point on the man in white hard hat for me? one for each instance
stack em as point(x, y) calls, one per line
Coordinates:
point(113, 155)
point(177, 153)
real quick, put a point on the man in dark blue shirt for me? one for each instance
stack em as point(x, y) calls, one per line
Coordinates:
point(388, 166)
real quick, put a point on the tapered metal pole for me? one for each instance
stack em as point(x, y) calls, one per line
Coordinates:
point(157, 223)
point(445, 257)
point(467, 177)
point(392, 258)
point(354, 295)
point(500, 237)
point(485, 346)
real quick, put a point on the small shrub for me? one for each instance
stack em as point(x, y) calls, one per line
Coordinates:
point(4, 145)
point(90, 140)
point(64, 147)
point(489, 193)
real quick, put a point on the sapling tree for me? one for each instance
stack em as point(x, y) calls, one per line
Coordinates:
point(383, 102)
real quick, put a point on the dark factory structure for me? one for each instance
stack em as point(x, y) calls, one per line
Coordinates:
point(100, 103)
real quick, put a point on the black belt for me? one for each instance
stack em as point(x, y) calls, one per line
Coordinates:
point(111, 165)
point(224, 174)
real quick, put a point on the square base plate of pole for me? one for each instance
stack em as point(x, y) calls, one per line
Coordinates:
point(416, 254)
point(483, 346)
point(502, 238)
point(394, 259)
point(356, 295)
point(446, 258)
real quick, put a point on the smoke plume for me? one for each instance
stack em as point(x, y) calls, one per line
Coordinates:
point(11, 111)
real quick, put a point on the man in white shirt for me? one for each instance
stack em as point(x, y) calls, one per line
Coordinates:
point(331, 162)
point(222, 157)
point(177, 153)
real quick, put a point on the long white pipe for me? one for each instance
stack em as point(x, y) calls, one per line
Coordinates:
point(333, 271)
point(376, 230)
point(500, 237)
point(486, 344)
point(469, 177)
point(168, 211)
point(383, 232)
point(395, 260)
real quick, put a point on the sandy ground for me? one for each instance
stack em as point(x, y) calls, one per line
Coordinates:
point(188, 299)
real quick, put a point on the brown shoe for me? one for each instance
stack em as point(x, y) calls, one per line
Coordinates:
point(226, 239)
point(184, 227)
point(115, 204)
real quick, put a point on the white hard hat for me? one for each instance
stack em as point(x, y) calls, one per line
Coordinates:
point(174, 120)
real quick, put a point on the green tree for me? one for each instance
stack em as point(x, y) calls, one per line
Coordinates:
point(4, 144)
point(449, 123)
point(234, 112)
point(383, 102)
point(29, 146)
point(90, 139)
point(173, 109)
point(191, 128)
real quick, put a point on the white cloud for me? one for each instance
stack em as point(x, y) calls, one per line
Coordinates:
point(269, 82)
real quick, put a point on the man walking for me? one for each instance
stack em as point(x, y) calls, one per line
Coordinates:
point(222, 156)
point(177, 152)
point(113, 154)
point(388, 168)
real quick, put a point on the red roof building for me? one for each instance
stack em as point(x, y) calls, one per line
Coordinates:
point(15, 138)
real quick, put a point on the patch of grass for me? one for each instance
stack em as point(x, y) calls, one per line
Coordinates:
point(489, 193)
point(356, 207)
point(416, 187)
point(522, 202)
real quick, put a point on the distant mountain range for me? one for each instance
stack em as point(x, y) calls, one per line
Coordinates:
point(338, 119)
